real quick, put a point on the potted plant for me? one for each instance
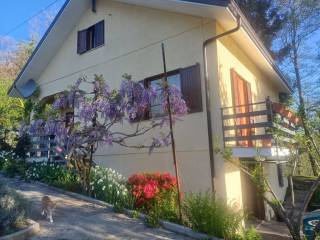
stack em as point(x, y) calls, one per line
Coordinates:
point(295, 120)
point(288, 114)
point(278, 108)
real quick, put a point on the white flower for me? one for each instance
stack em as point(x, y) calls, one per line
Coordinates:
point(103, 188)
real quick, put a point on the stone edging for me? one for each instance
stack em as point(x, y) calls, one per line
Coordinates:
point(176, 228)
point(25, 233)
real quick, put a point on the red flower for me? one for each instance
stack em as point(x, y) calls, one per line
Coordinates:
point(147, 187)
point(150, 190)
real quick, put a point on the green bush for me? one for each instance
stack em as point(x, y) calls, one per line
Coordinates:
point(23, 146)
point(55, 175)
point(13, 210)
point(208, 214)
point(251, 234)
point(11, 165)
point(68, 180)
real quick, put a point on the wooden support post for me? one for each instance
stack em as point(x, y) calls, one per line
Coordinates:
point(173, 146)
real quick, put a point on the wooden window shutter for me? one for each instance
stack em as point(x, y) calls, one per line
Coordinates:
point(82, 41)
point(99, 34)
point(235, 87)
point(191, 87)
point(280, 174)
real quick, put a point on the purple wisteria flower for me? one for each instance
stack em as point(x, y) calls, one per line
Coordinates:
point(99, 112)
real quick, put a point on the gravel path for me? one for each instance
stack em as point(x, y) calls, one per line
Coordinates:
point(79, 220)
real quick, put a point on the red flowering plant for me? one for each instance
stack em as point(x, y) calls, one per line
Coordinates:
point(155, 193)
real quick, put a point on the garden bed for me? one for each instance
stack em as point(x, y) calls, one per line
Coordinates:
point(150, 196)
point(30, 230)
point(13, 215)
point(134, 214)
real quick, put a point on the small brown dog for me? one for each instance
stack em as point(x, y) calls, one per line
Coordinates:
point(47, 207)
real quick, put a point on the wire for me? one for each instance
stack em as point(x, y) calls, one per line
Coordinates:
point(28, 19)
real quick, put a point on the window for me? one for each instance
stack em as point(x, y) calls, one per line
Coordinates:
point(91, 37)
point(174, 79)
point(187, 80)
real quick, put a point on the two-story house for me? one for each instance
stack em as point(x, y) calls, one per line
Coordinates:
point(227, 77)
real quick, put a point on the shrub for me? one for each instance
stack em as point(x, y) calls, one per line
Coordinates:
point(110, 186)
point(10, 164)
point(23, 146)
point(250, 234)
point(12, 210)
point(55, 175)
point(205, 213)
point(156, 195)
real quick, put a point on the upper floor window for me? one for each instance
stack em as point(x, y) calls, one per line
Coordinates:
point(91, 37)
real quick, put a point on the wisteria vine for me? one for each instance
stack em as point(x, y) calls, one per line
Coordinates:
point(98, 109)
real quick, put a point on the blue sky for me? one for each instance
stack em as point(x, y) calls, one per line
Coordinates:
point(15, 12)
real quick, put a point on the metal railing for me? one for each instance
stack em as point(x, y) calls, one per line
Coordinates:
point(43, 148)
point(257, 124)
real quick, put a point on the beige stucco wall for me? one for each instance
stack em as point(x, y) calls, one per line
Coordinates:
point(132, 45)
point(231, 56)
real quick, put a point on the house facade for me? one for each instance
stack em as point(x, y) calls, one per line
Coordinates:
point(232, 74)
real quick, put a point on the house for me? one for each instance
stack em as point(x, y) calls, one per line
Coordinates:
point(226, 75)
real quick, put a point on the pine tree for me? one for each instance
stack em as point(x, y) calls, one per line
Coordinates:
point(266, 19)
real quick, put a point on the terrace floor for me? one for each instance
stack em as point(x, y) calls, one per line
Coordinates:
point(81, 220)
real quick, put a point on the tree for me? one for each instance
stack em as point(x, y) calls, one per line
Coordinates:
point(265, 18)
point(99, 113)
point(303, 21)
point(13, 60)
point(12, 109)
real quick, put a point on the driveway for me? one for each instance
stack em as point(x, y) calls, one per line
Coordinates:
point(78, 220)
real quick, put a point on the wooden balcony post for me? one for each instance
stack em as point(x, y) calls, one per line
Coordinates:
point(223, 129)
point(269, 108)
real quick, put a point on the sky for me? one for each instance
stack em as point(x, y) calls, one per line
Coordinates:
point(14, 23)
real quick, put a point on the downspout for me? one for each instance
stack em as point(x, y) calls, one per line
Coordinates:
point(207, 89)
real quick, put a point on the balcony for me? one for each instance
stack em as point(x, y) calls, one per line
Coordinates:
point(262, 128)
point(43, 149)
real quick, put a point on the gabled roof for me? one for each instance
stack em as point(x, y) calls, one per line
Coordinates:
point(225, 11)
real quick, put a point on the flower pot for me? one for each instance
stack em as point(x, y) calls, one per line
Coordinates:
point(295, 120)
point(288, 114)
point(279, 108)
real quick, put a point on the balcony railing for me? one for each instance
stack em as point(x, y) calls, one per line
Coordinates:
point(43, 148)
point(261, 124)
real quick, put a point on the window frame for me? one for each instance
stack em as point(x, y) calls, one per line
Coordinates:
point(181, 71)
point(147, 84)
point(91, 41)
